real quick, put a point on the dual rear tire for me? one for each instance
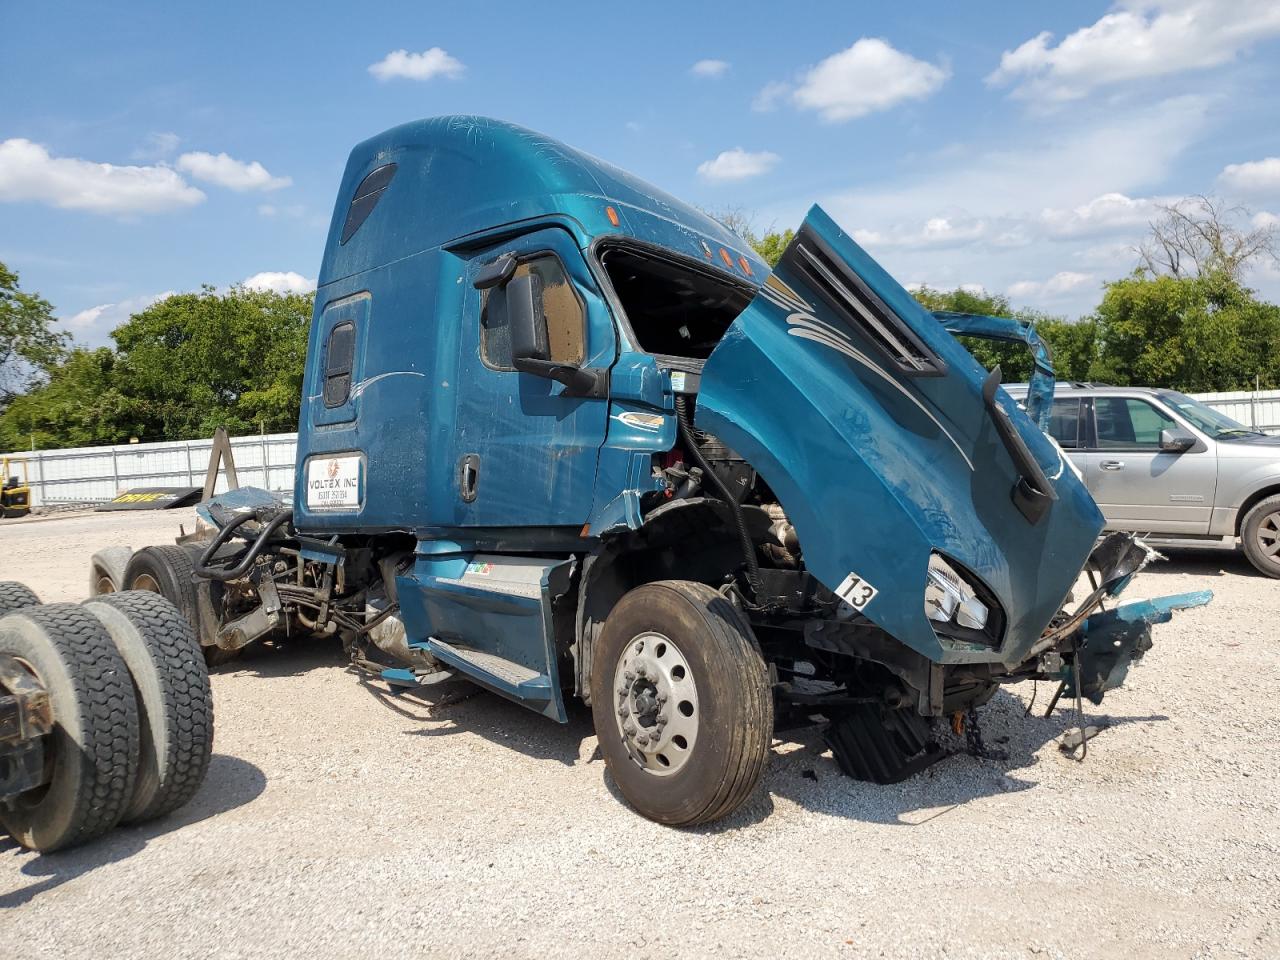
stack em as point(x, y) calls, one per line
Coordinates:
point(132, 713)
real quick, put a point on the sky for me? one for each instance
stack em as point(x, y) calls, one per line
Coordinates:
point(1020, 148)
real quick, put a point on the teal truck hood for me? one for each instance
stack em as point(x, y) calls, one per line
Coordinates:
point(868, 421)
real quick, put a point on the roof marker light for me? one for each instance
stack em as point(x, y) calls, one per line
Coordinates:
point(746, 267)
point(727, 257)
point(612, 214)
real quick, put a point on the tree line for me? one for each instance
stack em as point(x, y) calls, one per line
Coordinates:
point(1184, 318)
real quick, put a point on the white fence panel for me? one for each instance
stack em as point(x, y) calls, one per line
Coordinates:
point(97, 474)
point(1260, 410)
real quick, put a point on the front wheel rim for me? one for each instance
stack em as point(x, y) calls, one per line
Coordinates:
point(1268, 537)
point(656, 704)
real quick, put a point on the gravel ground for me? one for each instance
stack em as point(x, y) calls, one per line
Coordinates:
point(337, 819)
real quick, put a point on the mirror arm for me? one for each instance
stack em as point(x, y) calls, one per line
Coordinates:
point(578, 381)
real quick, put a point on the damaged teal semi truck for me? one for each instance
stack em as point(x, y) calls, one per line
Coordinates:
point(565, 436)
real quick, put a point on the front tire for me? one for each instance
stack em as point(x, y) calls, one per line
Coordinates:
point(681, 701)
point(92, 752)
point(1260, 536)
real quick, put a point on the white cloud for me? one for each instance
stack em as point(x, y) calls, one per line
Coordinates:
point(710, 68)
point(1138, 39)
point(1263, 220)
point(1057, 285)
point(28, 172)
point(1257, 176)
point(770, 95)
point(226, 171)
point(994, 197)
point(94, 324)
point(934, 232)
point(868, 76)
point(737, 164)
point(1107, 213)
point(279, 282)
point(417, 66)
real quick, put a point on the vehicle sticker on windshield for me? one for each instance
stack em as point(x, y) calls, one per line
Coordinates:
point(856, 592)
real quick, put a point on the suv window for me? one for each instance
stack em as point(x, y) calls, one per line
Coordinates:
point(1064, 423)
point(1127, 423)
point(565, 314)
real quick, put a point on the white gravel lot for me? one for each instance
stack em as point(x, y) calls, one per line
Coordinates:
point(338, 821)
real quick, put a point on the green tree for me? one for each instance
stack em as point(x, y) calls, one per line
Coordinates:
point(771, 244)
point(196, 361)
point(1192, 333)
point(1073, 344)
point(78, 406)
point(29, 346)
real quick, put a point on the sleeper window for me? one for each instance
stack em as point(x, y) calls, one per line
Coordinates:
point(565, 315)
point(338, 358)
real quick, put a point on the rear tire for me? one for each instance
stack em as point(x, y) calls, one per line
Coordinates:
point(93, 749)
point(729, 702)
point(16, 596)
point(175, 704)
point(1260, 536)
point(167, 570)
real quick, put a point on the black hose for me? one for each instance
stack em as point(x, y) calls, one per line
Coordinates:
point(691, 447)
point(203, 569)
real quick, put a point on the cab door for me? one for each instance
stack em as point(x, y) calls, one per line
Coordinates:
point(524, 453)
point(1137, 485)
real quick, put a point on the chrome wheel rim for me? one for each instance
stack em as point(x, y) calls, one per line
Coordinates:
point(1268, 536)
point(656, 704)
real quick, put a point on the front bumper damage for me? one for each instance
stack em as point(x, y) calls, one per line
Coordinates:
point(1087, 650)
point(1090, 649)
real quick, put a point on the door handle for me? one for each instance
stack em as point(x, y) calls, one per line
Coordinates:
point(468, 476)
point(1112, 464)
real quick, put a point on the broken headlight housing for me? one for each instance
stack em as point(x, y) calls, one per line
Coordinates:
point(958, 606)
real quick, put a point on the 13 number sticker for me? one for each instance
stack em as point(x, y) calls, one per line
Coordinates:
point(856, 592)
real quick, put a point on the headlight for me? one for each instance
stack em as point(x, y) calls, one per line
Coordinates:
point(948, 599)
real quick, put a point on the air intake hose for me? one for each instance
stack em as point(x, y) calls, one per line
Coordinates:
point(691, 447)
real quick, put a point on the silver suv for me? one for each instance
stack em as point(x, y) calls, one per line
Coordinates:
point(1160, 463)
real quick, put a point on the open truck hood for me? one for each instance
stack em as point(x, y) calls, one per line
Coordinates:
point(868, 421)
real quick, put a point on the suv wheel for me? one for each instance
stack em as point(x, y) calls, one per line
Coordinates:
point(1260, 536)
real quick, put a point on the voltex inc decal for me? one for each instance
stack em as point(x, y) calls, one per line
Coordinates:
point(333, 482)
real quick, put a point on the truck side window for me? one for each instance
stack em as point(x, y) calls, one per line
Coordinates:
point(339, 355)
point(1064, 423)
point(565, 313)
point(1127, 423)
point(674, 310)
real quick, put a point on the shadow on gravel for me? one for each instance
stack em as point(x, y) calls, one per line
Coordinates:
point(231, 783)
point(458, 706)
point(286, 658)
point(1202, 563)
point(803, 772)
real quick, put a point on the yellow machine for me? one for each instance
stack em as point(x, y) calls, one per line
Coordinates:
point(15, 492)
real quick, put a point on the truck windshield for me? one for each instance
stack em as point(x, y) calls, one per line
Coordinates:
point(1217, 425)
point(674, 310)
